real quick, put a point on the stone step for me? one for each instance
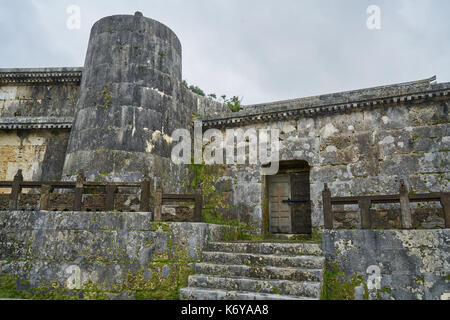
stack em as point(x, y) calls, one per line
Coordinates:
point(281, 287)
point(263, 260)
point(217, 294)
point(274, 248)
point(268, 272)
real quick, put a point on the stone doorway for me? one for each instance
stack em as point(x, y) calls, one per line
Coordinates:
point(289, 199)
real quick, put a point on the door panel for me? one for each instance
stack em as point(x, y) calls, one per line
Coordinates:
point(279, 212)
point(301, 211)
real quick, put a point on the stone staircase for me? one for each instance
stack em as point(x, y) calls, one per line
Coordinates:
point(257, 271)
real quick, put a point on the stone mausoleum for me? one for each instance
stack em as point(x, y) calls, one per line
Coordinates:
point(113, 118)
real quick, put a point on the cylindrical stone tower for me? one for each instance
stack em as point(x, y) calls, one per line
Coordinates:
point(129, 101)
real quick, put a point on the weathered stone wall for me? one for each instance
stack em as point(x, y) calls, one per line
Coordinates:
point(412, 264)
point(364, 151)
point(39, 153)
point(38, 100)
point(36, 111)
point(121, 254)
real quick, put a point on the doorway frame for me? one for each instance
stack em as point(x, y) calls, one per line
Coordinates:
point(285, 167)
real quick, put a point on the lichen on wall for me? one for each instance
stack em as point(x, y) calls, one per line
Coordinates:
point(392, 264)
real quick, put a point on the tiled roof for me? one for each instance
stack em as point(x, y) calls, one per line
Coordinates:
point(40, 75)
point(332, 103)
point(36, 123)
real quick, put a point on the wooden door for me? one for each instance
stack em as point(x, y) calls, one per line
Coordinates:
point(279, 212)
point(301, 203)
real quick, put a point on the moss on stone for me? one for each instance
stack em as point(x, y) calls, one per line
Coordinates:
point(386, 290)
point(420, 280)
point(164, 226)
point(277, 291)
point(334, 285)
point(161, 286)
point(8, 288)
point(316, 236)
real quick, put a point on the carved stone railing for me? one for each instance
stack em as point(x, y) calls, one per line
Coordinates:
point(365, 203)
point(108, 202)
point(161, 198)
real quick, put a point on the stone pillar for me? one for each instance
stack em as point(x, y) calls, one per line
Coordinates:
point(79, 189)
point(366, 219)
point(405, 206)
point(445, 202)
point(157, 211)
point(45, 197)
point(328, 217)
point(198, 205)
point(129, 103)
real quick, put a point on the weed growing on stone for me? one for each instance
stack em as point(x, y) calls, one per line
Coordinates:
point(335, 287)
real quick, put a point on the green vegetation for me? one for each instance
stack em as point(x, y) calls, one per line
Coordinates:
point(164, 276)
point(436, 122)
point(106, 97)
point(164, 226)
point(316, 236)
point(160, 286)
point(242, 230)
point(234, 103)
point(8, 288)
point(205, 177)
point(386, 290)
point(420, 280)
point(336, 288)
point(218, 219)
point(277, 291)
point(193, 88)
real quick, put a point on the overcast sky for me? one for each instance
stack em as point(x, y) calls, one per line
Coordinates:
point(261, 50)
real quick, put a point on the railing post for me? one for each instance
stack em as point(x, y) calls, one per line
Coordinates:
point(77, 202)
point(111, 190)
point(144, 205)
point(405, 206)
point(45, 197)
point(328, 216)
point(198, 205)
point(366, 220)
point(15, 191)
point(445, 202)
point(158, 204)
